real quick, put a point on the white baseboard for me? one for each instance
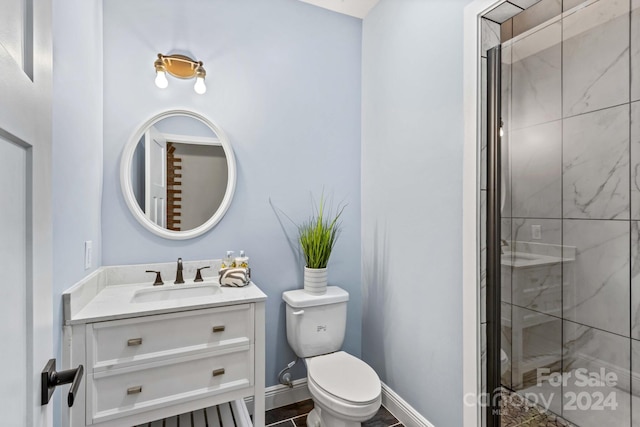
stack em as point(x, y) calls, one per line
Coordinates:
point(402, 410)
point(281, 395)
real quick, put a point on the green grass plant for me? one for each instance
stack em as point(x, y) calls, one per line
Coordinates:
point(319, 233)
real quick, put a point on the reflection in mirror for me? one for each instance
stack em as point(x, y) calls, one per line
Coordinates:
point(178, 174)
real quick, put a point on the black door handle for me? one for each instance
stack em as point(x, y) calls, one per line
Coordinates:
point(50, 379)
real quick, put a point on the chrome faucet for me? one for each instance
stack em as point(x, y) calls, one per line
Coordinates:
point(179, 279)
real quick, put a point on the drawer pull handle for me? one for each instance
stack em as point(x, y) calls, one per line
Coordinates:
point(218, 372)
point(218, 328)
point(134, 341)
point(134, 390)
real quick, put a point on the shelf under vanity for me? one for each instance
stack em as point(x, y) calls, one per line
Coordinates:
point(232, 414)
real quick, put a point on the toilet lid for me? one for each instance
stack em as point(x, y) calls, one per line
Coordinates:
point(345, 377)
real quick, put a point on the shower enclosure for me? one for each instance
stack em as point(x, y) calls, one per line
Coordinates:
point(560, 203)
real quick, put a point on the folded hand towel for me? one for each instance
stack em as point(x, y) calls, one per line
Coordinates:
point(234, 277)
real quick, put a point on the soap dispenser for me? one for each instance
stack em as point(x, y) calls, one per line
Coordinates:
point(228, 261)
point(242, 260)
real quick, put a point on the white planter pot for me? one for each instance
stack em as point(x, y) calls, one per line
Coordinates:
point(315, 280)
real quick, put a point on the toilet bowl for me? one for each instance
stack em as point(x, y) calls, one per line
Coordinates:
point(346, 391)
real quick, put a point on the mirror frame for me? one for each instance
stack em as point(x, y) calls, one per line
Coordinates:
point(127, 187)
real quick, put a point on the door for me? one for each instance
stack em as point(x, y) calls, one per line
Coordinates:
point(564, 251)
point(26, 326)
point(156, 177)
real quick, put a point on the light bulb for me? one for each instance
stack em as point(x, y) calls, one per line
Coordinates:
point(161, 79)
point(200, 87)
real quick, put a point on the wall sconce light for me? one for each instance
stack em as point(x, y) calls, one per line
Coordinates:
point(182, 67)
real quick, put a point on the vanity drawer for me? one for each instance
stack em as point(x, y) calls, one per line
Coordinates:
point(121, 343)
point(132, 390)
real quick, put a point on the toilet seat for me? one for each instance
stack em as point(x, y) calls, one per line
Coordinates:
point(345, 378)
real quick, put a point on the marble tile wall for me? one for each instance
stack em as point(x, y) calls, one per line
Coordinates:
point(536, 171)
point(593, 351)
point(595, 66)
point(635, 160)
point(635, 280)
point(595, 163)
point(571, 166)
point(601, 274)
point(635, 383)
point(635, 50)
point(536, 78)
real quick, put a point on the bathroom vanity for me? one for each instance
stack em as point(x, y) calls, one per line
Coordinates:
point(155, 352)
point(535, 279)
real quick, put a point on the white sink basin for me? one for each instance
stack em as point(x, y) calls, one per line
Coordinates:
point(173, 292)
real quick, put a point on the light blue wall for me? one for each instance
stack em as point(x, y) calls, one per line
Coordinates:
point(77, 148)
point(283, 81)
point(412, 116)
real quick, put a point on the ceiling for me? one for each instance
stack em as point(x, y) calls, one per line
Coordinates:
point(357, 8)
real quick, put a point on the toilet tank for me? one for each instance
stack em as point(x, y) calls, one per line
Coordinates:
point(316, 323)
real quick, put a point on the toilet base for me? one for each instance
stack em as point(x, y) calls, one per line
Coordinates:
point(319, 418)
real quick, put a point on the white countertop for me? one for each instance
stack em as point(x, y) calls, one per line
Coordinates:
point(519, 259)
point(116, 301)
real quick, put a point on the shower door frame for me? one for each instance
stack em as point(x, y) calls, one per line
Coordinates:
point(471, 387)
point(493, 281)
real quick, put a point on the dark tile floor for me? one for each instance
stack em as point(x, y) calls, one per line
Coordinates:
point(295, 415)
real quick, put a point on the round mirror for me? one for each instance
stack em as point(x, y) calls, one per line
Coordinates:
point(178, 174)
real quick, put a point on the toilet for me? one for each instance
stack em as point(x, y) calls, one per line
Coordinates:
point(345, 390)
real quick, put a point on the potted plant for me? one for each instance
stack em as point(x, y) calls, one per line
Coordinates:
point(317, 238)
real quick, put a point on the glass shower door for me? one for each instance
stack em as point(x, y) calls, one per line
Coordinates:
point(564, 248)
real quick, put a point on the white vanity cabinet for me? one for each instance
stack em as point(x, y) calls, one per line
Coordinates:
point(147, 366)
